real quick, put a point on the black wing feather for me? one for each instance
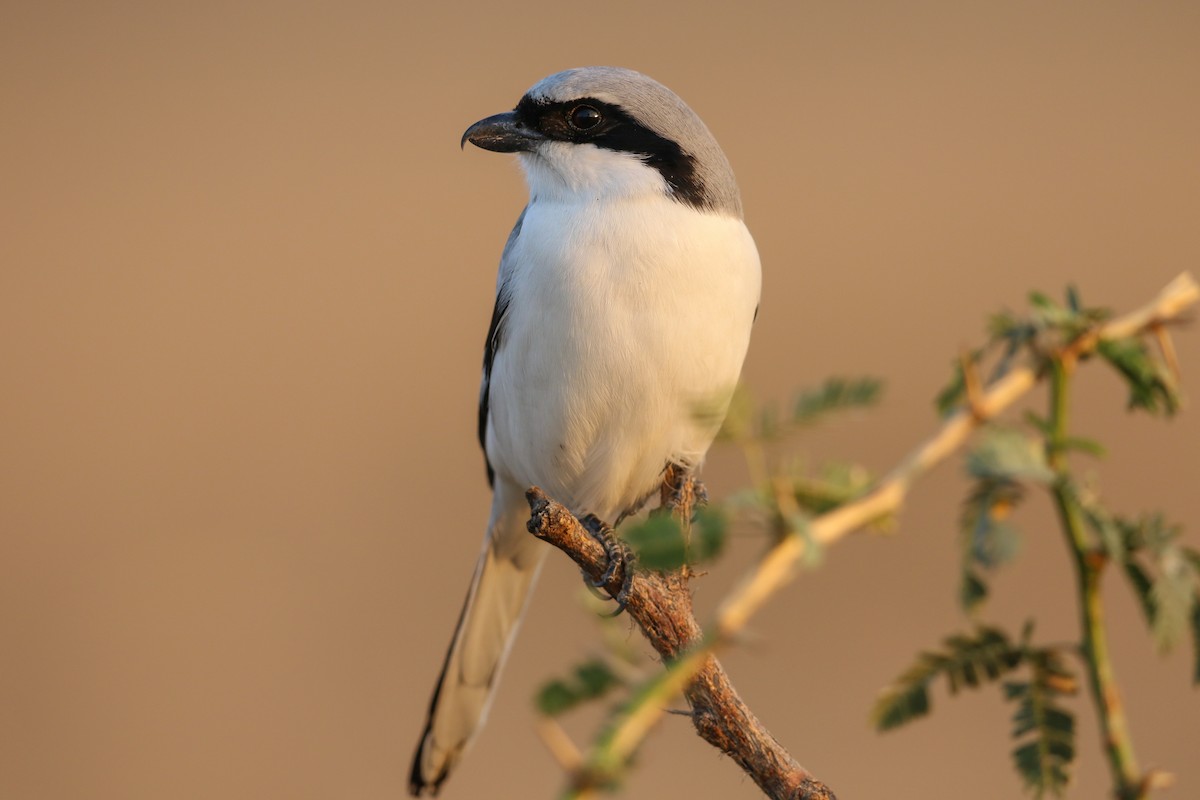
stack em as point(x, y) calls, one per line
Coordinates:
point(491, 345)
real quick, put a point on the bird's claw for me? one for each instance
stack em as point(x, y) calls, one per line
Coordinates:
point(619, 556)
point(681, 493)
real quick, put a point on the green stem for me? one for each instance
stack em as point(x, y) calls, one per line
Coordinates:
point(1089, 565)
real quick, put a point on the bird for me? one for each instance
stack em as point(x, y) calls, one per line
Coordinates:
point(624, 302)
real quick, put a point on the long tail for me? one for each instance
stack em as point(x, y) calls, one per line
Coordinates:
point(486, 629)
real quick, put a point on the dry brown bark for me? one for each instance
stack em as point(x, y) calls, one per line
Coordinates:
point(661, 605)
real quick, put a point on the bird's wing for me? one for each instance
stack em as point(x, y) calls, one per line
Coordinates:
point(494, 336)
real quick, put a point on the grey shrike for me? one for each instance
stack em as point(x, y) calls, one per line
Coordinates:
point(624, 301)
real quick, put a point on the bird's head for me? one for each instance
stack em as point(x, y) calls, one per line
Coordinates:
point(605, 132)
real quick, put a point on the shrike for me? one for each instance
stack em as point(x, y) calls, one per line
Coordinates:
point(624, 303)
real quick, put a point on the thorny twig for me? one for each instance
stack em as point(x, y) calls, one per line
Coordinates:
point(661, 604)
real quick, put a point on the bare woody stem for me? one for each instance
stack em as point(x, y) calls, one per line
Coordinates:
point(1128, 783)
point(778, 567)
point(661, 604)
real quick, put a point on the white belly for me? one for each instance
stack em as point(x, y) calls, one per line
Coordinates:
point(622, 326)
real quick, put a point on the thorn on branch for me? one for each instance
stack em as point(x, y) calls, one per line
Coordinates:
point(1167, 348)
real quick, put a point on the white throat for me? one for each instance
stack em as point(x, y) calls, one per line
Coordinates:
point(565, 172)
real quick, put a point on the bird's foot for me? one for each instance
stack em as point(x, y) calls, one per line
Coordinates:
point(619, 556)
point(681, 493)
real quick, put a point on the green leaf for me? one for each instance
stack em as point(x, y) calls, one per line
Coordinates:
point(1044, 760)
point(1005, 324)
point(1173, 593)
point(555, 697)
point(987, 540)
point(661, 543)
point(836, 394)
point(952, 395)
point(966, 660)
point(1012, 346)
point(1027, 633)
point(594, 678)
point(1048, 313)
point(1156, 535)
point(589, 681)
point(744, 423)
point(1042, 766)
point(900, 705)
point(1073, 299)
point(1150, 385)
point(1193, 558)
point(709, 527)
point(835, 485)
point(1008, 454)
point(1107, 528)
point(658, 542)
point(972, 591)
point(1041, 302)
point(1000, 546)
point(1168, 596)
point(1142, 585)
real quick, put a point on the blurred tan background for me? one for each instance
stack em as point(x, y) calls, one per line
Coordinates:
point(245, 274)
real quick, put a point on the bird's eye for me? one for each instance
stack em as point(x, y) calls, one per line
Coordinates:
point(584, 118)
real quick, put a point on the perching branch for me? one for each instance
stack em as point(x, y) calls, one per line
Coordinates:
point(662, 606)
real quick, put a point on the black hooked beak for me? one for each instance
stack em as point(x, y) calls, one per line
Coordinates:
point(502, 133)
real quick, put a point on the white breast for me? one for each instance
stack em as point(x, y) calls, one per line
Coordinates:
point(626, 318)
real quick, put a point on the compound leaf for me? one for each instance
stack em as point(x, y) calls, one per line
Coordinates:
point(966, 660)
point(590, 680)
point(1044, 729)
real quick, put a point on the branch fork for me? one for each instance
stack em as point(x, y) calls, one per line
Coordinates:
point(661, 605)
